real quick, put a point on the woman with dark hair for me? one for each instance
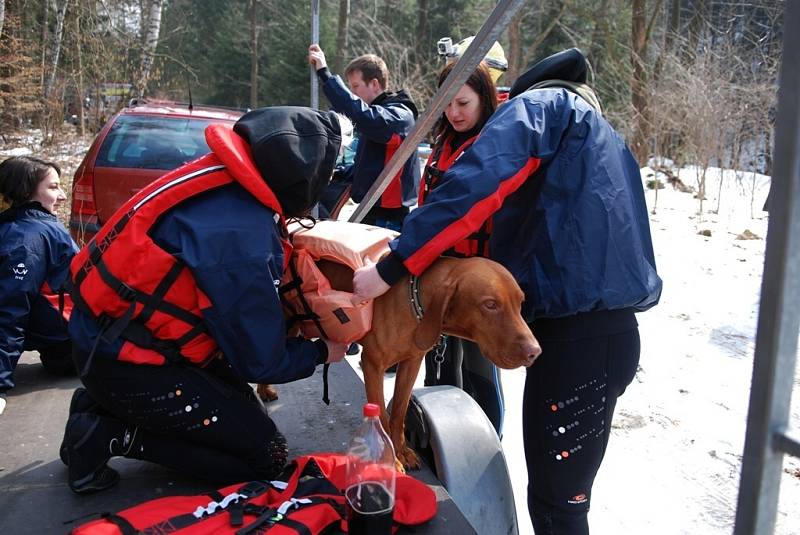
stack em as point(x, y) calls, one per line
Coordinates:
point(460, 363)
point(35, 252)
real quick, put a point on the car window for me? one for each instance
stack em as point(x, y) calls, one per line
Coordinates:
point(148, 142)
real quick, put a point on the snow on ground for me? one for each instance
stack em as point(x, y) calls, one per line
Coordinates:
point(674, 458)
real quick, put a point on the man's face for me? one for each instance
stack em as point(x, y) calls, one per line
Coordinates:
point(366, 91)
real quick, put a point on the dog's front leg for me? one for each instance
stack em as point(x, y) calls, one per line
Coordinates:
point(373, 383)
point(407, 371)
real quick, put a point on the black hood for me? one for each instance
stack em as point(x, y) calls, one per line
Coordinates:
point(295, 150)
point(569, 65)
point(401, 97)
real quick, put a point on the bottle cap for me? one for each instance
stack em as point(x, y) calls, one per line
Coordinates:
point(372, 410)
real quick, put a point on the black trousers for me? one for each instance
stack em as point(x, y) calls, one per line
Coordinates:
point(465, 367)
point(202, 421)
point(571, 390)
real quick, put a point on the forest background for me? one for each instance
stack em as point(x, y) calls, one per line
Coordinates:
point(693, 81)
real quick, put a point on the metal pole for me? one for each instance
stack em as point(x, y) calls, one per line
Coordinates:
point(314, 39)
point(497, 21)
point(779, 310)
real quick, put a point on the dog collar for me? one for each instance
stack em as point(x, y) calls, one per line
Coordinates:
point(414, 295)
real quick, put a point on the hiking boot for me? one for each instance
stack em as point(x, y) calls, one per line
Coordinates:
point(90, 442)
point(81, 402)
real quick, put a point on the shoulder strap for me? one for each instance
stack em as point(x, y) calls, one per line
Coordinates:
point(580, 89)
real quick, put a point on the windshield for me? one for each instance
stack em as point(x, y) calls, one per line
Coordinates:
point(148, 142)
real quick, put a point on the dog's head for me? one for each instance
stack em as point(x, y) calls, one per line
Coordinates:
point(481, 302)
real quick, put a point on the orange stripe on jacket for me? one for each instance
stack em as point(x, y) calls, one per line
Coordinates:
point(393, 195)
point(472, 220)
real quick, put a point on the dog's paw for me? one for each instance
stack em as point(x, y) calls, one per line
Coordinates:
point(408, 459)
point(267, 392)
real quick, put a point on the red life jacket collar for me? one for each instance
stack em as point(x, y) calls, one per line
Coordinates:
point(235, 154)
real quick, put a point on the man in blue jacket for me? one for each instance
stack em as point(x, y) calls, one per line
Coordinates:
point(382, 121)
point(570, 223)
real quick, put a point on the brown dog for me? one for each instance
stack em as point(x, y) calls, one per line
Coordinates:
point(472, 298)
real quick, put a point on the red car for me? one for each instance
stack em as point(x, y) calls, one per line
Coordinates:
point(136, 146)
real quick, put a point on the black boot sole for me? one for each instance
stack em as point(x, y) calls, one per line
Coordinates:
point(104, 478)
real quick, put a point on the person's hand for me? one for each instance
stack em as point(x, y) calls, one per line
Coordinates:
point(368, 284)
point(316, 57)
point(336, 351)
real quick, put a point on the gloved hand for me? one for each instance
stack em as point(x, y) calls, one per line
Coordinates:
point(368, 284)
point(336, 351)
point(316, 57)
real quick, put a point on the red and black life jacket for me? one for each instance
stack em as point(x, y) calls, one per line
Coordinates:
point(138, 291)
point(307, 499)
point(440, 160)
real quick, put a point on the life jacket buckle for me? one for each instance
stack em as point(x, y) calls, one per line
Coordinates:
point(126, 292)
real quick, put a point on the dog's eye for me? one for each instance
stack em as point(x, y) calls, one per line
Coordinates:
point(490, 304)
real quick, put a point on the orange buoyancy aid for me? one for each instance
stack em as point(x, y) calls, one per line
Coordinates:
point(320, 309)
point(306, 498)
point(440, 160)
point(138, 291)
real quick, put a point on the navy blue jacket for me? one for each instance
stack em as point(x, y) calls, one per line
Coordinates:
point(239, 270)
point(35, 252)
point(381, 127)
point(570, 220)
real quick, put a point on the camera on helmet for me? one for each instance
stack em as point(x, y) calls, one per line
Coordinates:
point(445, 47)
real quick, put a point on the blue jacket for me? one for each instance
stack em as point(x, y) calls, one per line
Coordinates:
point(381, 127)
point(569, 215)
point(35, 251)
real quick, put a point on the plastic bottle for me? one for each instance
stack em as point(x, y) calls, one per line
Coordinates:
point(370, 479)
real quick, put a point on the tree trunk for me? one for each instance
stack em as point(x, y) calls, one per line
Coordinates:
point(514, 47)
point(597, 49)
point(423, 31)
point(696, 27)
point(55, 47)
point(341, 36)
point(638, 82)
point(45, 14)
point(2, 14)
point(551, 25)
point(253, 56)
point(79, 88)
point(151, 26)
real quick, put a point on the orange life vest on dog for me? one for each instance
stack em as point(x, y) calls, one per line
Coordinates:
point(135, 289)
point(322, 310)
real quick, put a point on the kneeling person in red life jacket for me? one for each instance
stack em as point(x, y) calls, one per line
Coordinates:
point(177, 307)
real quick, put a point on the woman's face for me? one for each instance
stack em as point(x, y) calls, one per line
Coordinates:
point(49, 192)
point(464, 111)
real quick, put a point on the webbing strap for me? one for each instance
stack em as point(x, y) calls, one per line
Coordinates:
point(123, 525)
point(161, 290)
point(309, 314)
point(127, 293)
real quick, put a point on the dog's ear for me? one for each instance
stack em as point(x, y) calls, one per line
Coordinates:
point(427, 332)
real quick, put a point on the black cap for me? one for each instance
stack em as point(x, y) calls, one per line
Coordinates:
point(295, 150)
point(569, 65)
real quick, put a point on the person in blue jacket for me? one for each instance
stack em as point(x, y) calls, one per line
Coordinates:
point(35, 251)
point(382, 120)
point(149, 395)
point(570, 223)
